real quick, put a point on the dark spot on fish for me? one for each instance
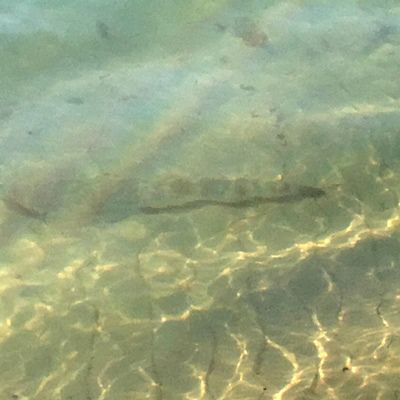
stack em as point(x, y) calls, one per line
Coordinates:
point(102, 30)
point(128, 97)
point(249, 31)
point(310, 192)
point(281, 136)
point(75, 100)
point(282, 139)
point(248, 88)
point(220, 27)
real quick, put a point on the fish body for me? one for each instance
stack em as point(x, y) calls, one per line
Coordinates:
point(300, 193)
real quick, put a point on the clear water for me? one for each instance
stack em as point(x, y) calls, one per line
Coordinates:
point(199, 200)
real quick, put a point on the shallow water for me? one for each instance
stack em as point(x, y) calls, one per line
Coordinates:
point(111, 109)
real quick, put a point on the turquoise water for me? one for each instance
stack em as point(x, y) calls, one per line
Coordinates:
point(199, 200)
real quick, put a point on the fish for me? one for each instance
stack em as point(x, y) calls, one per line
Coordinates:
point(300, 193)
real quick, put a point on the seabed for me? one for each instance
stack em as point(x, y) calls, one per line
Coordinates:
point(291, 299)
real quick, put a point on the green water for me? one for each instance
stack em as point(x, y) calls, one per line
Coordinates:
point(109, 109)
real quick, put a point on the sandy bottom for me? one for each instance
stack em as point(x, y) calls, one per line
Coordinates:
point(281, 301)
